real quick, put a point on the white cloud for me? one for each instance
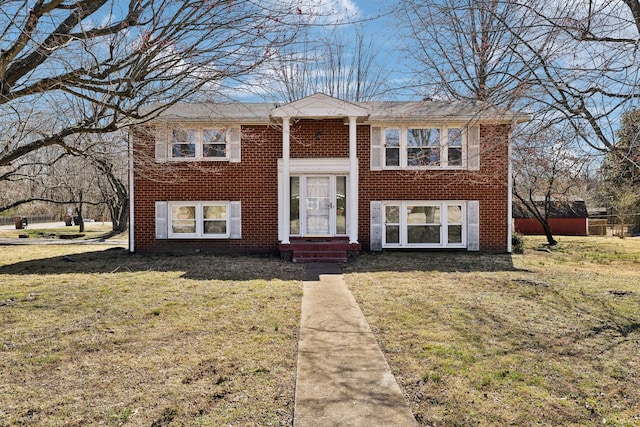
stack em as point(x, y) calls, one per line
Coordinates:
point(334, 11)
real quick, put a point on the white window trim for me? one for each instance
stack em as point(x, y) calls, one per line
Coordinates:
point(403, 243)
point(164, 144)
point(444, 146)
point(199, 234)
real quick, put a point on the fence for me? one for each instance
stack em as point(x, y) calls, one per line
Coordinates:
point(601, 227)
point(33, 219)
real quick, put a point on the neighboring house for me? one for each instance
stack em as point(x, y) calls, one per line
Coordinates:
point(566, 218)
point(323, 178)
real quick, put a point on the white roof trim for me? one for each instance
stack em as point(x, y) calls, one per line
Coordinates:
point(319, 105)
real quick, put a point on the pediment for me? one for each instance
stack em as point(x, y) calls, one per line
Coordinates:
point(319, 105)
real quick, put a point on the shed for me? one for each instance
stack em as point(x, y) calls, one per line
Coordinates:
point(566, 218)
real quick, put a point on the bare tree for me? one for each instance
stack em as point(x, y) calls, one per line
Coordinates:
point(549, 167)
point(467, 49)
point(69, 69)
point(336, 65)
point(574, 61)
point(621, 170)
point(573, 64)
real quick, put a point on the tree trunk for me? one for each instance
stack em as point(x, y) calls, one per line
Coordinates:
point(119, 215)
point(547, 232)
point(80, 219)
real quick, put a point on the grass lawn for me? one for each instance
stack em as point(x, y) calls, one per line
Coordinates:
point(536, 339)
point(92, 230)
point(103, 337)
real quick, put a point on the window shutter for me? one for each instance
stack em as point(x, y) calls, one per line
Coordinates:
point(162, 218)
point(235, 221)
point(162, 143)
point(473, 225)
point(376, 226)
point(234, 145)
point(376, 148)
point(473, 148)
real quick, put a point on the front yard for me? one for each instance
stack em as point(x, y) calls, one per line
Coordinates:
point(534, 339)
point(90, 335)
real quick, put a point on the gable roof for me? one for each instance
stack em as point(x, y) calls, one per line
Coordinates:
point(558, 209)
point(320, 105)
point(440, 111)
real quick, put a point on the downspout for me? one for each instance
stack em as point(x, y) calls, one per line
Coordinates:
point(353, 182)
point(286, 185)
point(131, 195)
point(509, 191)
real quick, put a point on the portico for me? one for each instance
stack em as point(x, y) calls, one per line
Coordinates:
point(318, 196)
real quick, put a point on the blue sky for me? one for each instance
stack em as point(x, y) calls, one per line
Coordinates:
point(374, 19)
point(378, 22)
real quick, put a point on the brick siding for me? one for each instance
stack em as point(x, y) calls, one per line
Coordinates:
point(254, 182)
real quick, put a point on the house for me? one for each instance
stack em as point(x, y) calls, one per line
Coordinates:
point(323, 178)
point(566, 218)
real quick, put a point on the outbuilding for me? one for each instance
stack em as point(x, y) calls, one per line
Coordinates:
point(566, 218)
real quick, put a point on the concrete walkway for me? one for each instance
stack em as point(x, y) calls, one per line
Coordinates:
point(342, 379)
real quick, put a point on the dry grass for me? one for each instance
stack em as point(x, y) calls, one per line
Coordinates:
point(108, 338)
point(103, 337)
point(534, 339)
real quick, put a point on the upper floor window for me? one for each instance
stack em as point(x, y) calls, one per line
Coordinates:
point(203, 144)
point(425, 147)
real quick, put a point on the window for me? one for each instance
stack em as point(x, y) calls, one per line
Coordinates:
point(392, 147)
point(200, 144)
point(198, 219)
point(183, 143)
point(454, 146)
point(294, 207)
point(424, 147)
point(423, 224)
point(392, 224)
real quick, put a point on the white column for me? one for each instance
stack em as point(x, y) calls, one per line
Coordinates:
point(353, 183)
point(286, 185)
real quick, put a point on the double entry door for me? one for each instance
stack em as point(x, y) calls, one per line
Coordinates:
point(318, 205)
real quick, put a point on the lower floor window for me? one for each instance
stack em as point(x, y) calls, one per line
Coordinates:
point(423, 224)
point(198, 219)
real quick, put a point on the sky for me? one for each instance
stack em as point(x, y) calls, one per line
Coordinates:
point(373, 18)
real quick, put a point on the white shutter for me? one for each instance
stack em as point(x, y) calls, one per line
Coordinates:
point(161, 135)
point(473, 148)
point(162, 220)
point(234, 145)
point(235, 221)
point(473, 225)
point(375, 243)
point(376, 148)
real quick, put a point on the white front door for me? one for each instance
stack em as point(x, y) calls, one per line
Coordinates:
point(318, 204)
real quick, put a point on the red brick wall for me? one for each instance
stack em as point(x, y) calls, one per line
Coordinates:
point(319, 138)
point(488, 186)
point(253, 181)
